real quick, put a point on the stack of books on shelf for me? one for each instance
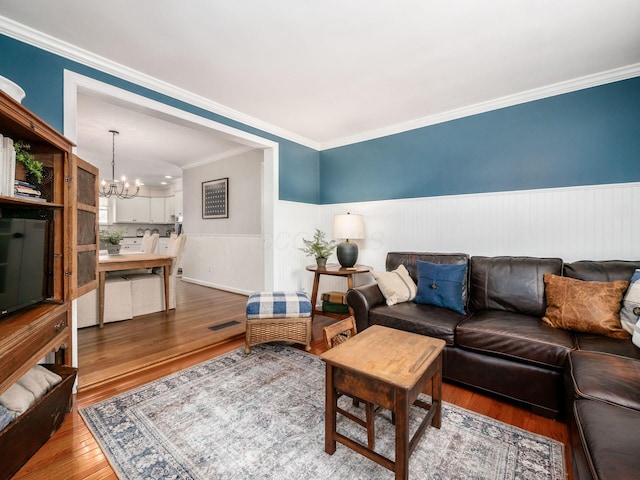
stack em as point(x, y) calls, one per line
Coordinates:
point(7, 166)
point(27, 190)
point(334, 302)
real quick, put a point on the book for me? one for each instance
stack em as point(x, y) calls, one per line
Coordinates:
point(30, 197)
point(334, 297)
point(26, 190)
point(331, 307)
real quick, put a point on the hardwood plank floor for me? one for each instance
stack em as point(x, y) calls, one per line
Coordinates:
point(127, 354)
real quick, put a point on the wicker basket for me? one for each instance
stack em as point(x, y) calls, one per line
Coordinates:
point(263, 330)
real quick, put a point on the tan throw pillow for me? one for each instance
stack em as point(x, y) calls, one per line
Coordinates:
point(592, 307)
point(397, 286)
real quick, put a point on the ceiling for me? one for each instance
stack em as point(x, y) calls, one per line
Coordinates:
point(148, 147)
point(333, 70)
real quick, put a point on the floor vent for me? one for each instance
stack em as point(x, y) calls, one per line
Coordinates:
point(224, 325)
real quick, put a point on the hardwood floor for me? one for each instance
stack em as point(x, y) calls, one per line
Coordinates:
point(127, 354)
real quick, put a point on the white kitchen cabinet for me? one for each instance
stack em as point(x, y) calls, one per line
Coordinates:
point(130, 244)
point(179, 206)
point(170, 209)
point(163, 245)
point(156, 210)
point(133, 210)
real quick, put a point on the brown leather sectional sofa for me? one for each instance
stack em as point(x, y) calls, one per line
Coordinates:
point(502, 346)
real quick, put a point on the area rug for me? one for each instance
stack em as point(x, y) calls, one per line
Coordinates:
point(261, 416)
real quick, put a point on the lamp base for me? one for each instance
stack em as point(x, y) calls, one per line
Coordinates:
point(347, 253)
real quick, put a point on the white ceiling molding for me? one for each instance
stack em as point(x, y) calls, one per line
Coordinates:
point(222, 156)
point(588, 81)
point(50, 44)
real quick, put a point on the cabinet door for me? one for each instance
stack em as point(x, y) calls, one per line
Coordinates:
point(156, 209)
point(179, 206)
point(84, 269)
point(141, 208)
point(125, 211)
point(163, 246)
point(132, 210)
point(170, 209)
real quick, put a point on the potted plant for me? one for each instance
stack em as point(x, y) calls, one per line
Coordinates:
point(319, 248)
point(31, 166)
point(111, 239)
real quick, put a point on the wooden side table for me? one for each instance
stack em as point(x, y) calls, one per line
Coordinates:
point(334, 269)
point(390, 368)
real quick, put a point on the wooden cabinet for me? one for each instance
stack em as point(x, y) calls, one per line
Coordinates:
point(70, 258)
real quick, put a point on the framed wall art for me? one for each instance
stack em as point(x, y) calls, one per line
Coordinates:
point(215, 198)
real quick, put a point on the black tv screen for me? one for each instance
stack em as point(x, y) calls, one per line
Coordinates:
point(22, 262)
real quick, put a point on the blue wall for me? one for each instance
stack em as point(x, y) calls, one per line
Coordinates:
point(40, 74)
point(586, 137)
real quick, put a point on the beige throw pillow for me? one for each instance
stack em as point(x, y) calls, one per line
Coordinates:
point(397, 286)
point(592, 307)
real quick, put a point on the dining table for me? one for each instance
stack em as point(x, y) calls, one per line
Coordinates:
point(131, 261)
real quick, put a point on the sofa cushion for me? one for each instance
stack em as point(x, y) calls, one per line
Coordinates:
point(609, 437)
point(396, 286)
point(510, 284)
point(521, 338)
point(582, 306)
point(606, 378)
point(441, 285)
point(591, 342)
point(601, 271)
point(409, 259)
point(427, 320)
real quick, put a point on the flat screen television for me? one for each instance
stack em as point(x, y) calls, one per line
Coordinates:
point(23, 269)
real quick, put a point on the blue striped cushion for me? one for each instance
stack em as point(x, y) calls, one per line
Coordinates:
point(278, 305)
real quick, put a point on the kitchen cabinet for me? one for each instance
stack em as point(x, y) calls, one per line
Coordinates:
point(130, 244)
point(156, 209)
point(133, 210)
point(163, 245)
point(179, 206)
point(170, 210)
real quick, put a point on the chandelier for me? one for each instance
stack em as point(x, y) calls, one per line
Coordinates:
point(118, 188)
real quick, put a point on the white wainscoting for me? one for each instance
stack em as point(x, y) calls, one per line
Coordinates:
point(230, 262)
point(577, 223)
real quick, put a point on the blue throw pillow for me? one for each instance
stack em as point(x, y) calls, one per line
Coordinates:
point(441, 285)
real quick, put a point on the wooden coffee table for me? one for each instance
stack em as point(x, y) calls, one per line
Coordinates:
point(390, 368)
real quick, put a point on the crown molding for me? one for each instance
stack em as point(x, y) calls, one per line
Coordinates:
point(69, 51)
point(569, 86)
point(220, 156)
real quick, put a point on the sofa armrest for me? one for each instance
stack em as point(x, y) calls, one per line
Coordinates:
point(361, 299)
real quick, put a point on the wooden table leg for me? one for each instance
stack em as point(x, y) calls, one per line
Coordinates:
point(331, 399)
point(314, 293)
point(101, 280)
point(402, 434)
point(166, 287)
point(436, 394)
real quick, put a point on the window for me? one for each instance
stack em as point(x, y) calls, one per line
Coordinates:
point(103, 210)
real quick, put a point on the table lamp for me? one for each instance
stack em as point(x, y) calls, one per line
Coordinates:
point(348, 227)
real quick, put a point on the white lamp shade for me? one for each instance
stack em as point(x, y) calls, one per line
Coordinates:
point(348, 226)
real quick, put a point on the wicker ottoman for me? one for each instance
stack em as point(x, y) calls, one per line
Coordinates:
point(278, 316)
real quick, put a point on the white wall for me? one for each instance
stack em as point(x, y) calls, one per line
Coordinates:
point(225, 253)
